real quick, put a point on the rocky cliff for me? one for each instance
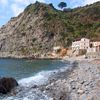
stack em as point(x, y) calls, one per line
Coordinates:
point(40, 27)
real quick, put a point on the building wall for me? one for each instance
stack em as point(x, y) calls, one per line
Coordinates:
point(96, 43)
point(82, 44)
point(76, 45)
point(95, 46)
point(91, 50)
point(85, 43)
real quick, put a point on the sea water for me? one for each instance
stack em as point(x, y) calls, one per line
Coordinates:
point(29, 73)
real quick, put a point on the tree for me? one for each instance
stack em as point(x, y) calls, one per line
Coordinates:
point(62, 5)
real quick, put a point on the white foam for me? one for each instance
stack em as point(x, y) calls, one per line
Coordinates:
point(38, 79)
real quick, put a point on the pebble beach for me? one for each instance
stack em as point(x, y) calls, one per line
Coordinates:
point(82, 82)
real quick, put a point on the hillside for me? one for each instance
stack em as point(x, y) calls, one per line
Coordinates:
point(41, 26)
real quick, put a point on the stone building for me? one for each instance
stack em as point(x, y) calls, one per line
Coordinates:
point(83, 43)
point(94, 47)
point(80, 46)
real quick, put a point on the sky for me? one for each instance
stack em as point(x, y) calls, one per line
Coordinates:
point(12, 8)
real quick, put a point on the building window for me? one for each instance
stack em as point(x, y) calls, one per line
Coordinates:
point(91, 45)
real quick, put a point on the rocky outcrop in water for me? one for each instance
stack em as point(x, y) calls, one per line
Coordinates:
point(7, 84)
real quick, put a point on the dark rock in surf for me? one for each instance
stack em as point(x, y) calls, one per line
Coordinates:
point(7, 84)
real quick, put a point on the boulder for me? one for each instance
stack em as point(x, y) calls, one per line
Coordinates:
point(7, 84)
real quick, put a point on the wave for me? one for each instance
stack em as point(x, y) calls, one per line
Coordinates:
point(42, 77)
point(39, 79)
point(25, 91)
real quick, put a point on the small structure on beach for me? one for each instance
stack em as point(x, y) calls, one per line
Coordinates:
point(55, 52)
point(59, 51)
point(56, 49)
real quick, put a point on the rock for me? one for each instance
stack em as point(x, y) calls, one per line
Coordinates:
point(83, 97)
point(73, 85)
point(80, 91)
point(73, 96)
point(82, 82)
point(35, 86)
point(90, 98)
point(47, 88)
point(6, 84)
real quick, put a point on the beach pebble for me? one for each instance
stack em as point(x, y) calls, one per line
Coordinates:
point(80, 91)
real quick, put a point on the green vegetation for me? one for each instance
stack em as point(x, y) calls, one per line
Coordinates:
point(34, 39)
point(62, 5)
point(24, 50)
point(68, 25)
point(79, 22)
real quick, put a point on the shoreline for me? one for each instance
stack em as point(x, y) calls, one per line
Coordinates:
point(31, 58)
point(79, 82)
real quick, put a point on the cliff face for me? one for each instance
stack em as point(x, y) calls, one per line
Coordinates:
point(41, 26)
